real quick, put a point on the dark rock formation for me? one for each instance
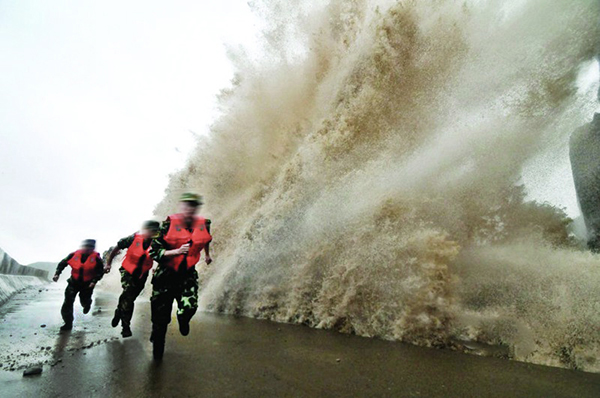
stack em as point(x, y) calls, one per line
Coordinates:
point(585, 162)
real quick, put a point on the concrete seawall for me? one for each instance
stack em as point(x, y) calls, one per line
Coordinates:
point(15, 277)
point(10, 266)
point(11, 284)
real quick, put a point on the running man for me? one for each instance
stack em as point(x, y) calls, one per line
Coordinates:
point(87, 269)
point(134, 272)
point(177, 249)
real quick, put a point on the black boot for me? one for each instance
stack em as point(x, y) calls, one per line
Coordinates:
point(126, 332)
point(87, 308)
point(66, 327)
point(184, 325)
point(116, 319)
point(158, 349)
point(158, 341)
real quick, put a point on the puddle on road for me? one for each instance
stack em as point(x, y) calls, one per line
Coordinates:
point(30, 322)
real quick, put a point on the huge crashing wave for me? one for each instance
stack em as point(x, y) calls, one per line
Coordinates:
point(364, 175)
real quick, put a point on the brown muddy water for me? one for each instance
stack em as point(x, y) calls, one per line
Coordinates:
point(377, 166)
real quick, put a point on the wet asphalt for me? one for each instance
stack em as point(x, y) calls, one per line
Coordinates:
point(226, 356)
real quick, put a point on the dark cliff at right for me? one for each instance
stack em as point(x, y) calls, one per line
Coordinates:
point(585, 163)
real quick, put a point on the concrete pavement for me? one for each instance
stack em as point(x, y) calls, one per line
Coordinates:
point(237, 357)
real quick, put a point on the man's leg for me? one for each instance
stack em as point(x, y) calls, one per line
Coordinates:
point(67, 308)
point(124, 285)
point(132, 287)
point(85, 297)
point(187, 301)
point(161, 305)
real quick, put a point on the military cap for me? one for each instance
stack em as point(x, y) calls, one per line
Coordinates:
point(151, 225)
point(89, 243)
point(191, 198)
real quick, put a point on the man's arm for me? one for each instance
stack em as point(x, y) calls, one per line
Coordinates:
point(121, 245)
point(207, 257)
point(99, 271)
point(61, 266)
point(115, 250)
point(159, 248)
point(158, 245)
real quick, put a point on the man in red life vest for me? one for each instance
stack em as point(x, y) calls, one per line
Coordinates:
point(177, 249)
point(134, 272)
point(87, 269)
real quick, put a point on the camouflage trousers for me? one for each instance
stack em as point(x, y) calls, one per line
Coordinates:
point(132, 287)
point(75, 287)
point(169, 286)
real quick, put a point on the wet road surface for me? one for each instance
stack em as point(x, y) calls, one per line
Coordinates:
point(238, 357)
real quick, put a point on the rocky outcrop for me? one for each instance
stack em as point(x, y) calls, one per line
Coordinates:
point(585, 163)
point(584, 150)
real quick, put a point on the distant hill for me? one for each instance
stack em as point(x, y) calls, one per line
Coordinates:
point(44, 265)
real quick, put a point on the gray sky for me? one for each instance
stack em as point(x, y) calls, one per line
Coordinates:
point(97, 100)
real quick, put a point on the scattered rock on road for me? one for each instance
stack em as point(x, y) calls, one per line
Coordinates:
point(32, 371)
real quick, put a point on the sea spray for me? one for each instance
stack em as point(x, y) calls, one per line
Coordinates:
point(364, 175)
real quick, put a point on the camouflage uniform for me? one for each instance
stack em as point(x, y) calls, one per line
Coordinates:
point(76, 286)
point(169, 285)
point(132, 285)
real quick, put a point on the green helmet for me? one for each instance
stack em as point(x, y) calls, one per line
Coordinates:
point(191, 198)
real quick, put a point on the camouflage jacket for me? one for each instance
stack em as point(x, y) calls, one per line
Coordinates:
point(124, 243)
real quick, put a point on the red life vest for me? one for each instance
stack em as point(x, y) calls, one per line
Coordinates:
point(85, 271)
point(137, 256)
point(179, 235)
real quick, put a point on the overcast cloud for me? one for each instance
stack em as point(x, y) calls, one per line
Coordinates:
point(97, 100)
